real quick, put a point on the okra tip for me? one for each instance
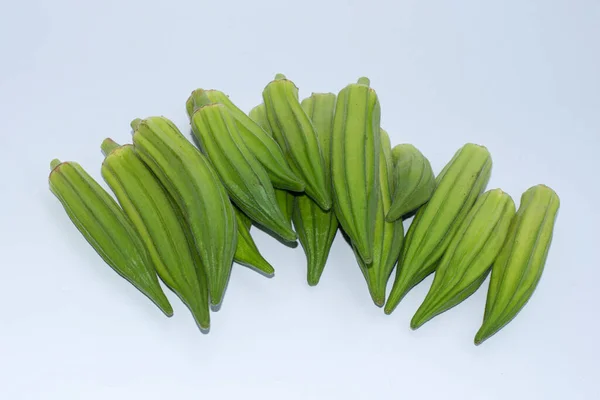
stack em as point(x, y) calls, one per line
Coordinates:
point(417, 321)
point(108, 145)
point(279, 77)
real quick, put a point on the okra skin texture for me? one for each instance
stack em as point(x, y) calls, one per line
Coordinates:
point(458, 186)
point(153, 215)
point(285, 199)
point(518, 268)
point(317, 228)
point(388, 237)
point(246, 252)
point(470, 254)
point(355, 149)
point(295, 134)
point(197, 190)
point(106, 228)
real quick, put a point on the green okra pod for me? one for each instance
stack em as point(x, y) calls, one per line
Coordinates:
point(106, 228)
point(355, 148)
point(155, 218)
point(458, 186)
point(388, 237)
point(242, 175)
point(295, 134)
point(195, 186)
point(317, 228)
point(519, 266)
point(470, 254)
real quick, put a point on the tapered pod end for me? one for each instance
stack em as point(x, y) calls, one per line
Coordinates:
point(394, 299)
point(108, 145)
point(262, 266)
point(323, 200)
point(163, 303)
point(313, 275)
point(378, 300)
point(364, 251)
point(480, 337)
point(417, 321)
point(313, 280)
point(201, 315)
point(279, 77)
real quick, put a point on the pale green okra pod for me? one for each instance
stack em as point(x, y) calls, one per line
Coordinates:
point(195, 186)
point(295, 134)
point(388, 237)
point(470, 254)
point(106, 228)
point(242, 175)
point(519, 266)
point(258, 140)
point(355, 148)
point(155, 218)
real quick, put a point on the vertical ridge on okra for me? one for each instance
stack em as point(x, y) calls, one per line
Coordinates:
point(519, 266)
point(355, 164)
point(458, 186)
point(317, 228)
point(103, 224)
point(261, 143)
point(242, 175)
point(151, 212)
point(470, 254)
point(190, 179)
point(388, 236)
point(285, 199)
point(295, 134)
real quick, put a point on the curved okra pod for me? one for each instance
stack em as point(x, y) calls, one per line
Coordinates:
point(191, 181)
point(470, 254)
point(242, 175)
point(519, 266)
point(261, 143)
point(414, 180)
point(388, 236)
point(317, 228)
point(355, 164)
point(106, 228)
point(295, 134)
point(458, 186)
point(152, 213)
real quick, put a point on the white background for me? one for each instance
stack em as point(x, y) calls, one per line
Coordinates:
point(521, 77)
